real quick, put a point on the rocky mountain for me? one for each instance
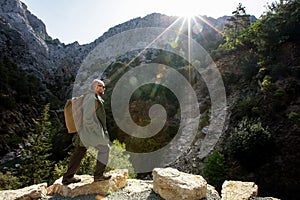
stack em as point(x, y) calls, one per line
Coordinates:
point(261, 78)
point(25, 41)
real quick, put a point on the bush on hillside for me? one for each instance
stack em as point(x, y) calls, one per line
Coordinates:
point(215, 170)
point(118, 159)
point(250, 143)
point(8, 181)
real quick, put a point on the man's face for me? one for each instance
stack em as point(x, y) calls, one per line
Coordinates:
point(99, 89)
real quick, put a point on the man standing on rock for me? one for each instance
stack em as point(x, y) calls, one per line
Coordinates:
point(93, 133)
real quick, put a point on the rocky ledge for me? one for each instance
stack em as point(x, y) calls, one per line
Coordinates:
point(167, 183)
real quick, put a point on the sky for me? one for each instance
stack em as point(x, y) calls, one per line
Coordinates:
point(86, 20)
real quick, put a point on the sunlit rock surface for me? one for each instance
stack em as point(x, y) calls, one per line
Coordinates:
point(172, 184)
point(27, 193)
point(88, 186)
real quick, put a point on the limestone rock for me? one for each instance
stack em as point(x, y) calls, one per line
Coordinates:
point(212, 193)
point(88, 186)
point(134, 186)
point(264, 198)
point(31, 192)
point(238, 190)
point(172, 184)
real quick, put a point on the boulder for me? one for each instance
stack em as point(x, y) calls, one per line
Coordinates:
point(238, 190)
point(212, 193)
point(27, 193)
point(172, 184)
point(135, 186)
point(88, 186)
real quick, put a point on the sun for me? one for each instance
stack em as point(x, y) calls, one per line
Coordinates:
point(185, 8)
point(188, 14)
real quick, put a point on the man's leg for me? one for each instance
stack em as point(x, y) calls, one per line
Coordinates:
point(74, 163)
point(102, 160)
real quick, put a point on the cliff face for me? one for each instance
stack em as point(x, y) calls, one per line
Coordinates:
point(24, 38)
point(25, 41)
point(30, 34)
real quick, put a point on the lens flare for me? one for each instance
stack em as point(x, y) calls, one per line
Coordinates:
point(197, 28)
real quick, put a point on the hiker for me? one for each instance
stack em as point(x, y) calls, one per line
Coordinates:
point(93, 133)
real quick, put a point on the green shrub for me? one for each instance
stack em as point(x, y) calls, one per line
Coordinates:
point(279, 100)
point(59, 169)
point(250, 142)
point(142, 145)
point(294, 117)
point(266, 85)
point(118, 159)
point(215, 169)
point(280, 92)
point(246, 107)
point(8, 181)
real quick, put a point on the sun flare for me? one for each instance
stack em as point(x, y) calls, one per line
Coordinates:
point(187, 8)
point(188, 15)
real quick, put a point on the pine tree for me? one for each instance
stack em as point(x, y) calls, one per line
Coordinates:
point(36, 167)
point(238, 22)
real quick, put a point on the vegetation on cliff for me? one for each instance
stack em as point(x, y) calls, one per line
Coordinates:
point(260, 66)
point(259, 63)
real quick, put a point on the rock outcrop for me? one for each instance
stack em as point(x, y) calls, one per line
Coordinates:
point(85, 187)
point(168, 183)
point(238, 190)
point(172, 184)
point(27, 193)
point(88, 186)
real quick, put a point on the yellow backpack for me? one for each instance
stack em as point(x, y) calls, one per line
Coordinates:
point(73, 114)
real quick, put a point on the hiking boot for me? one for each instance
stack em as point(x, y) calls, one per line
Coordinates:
point(68, 181)
point(102, 178)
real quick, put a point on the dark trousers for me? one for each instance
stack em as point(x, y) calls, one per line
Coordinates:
point(79, 153)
